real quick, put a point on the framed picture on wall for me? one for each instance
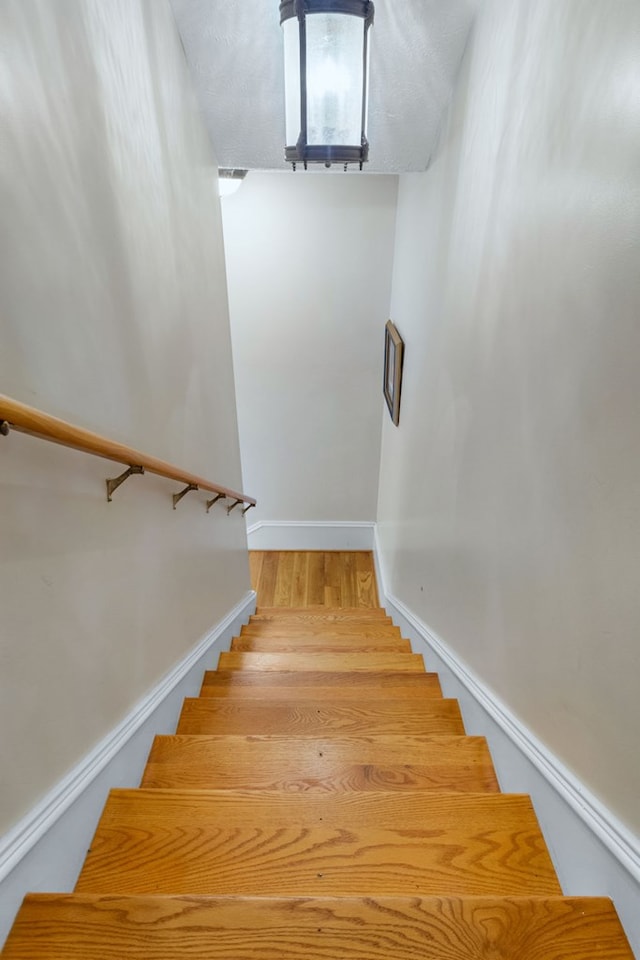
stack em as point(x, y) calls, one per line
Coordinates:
point(393, 357)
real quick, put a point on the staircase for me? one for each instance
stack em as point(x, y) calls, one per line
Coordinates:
point(319, 800)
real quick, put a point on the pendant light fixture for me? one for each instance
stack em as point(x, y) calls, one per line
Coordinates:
point(326, 75)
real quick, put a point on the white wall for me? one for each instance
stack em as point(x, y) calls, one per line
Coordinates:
point(309, 270)
point(509, 494)
point(114, 315)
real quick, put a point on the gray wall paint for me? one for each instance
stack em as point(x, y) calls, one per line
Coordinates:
point(509, 493)
point(309, 265)
point(114, 315)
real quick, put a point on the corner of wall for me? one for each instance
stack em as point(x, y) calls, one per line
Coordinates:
point(311, 535)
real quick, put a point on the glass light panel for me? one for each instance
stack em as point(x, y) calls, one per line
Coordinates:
point(334, 78)
point(291, 34)
point(366, 91)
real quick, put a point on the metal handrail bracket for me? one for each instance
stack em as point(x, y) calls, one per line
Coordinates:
point(17, 416)
point(177, 497)
point(116, 481)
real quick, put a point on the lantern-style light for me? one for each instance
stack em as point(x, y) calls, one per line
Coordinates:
point(326, 75)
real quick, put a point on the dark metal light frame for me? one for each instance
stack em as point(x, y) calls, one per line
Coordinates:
point(303, 152)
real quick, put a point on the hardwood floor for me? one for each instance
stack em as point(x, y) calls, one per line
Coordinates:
point(314, 578)
point(318, 800)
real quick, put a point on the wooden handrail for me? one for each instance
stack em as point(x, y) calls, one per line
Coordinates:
point(34, 422)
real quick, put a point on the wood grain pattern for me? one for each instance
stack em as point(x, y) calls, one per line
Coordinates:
point(252, 643)
point(440, 814)
point(318, 614)
point(366, 586)
point(314, 578)
point(332, 662)
point(453, 764)
point(320, 718)
point(275, 685)
point(85, 927)
point(315, 582)
point(361, 630)
point(312, 776)
point(36, 423)
point(213, 842)
point(255, 565)
point(333, 580)
point(300, 578)
point(283, 594)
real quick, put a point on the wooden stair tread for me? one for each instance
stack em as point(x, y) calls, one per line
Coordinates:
point(376, 662)
point(470, 814)
point(295, 765)
point(235, 842)
point(320, 718)
point(300, 644)
point(86, 927)
point(318, 801)
point(311, 613)
point(371, 630)
point(320, 685)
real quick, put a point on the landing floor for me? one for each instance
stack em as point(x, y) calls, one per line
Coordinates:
point(307, 578)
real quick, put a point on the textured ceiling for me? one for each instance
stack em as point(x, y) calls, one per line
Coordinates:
point(234, 52)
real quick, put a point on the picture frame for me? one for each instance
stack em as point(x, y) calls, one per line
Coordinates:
point(393, 360)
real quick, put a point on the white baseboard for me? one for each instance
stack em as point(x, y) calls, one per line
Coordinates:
point(311, 535)
point(381, 578)
point(593, 852)
point(45, 850)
